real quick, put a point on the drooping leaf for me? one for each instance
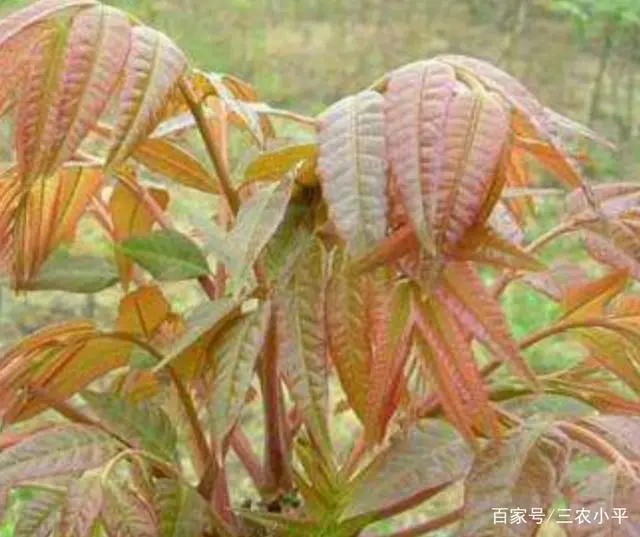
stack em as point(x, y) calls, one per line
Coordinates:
point(348, 335)
point(39, 514)
point(235, 355)
point(352, 163)
point(131, 217)
point(461, 290)
point(524, 469)
point(180, 510)
point(17, 22)
point(56, 451)
point(82, 506)
point(153, 67)
point(167, 254)
point(70, 81)
point(74, 274)
point(170, 160)
point(415, 465)
point(48, 214)
point(452, 367)
point(303, 341)
point(147, 427)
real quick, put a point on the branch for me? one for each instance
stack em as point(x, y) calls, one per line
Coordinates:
point(213, 148)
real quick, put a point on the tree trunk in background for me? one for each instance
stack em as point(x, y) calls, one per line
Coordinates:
point(603, 62)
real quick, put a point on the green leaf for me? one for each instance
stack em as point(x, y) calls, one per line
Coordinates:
point(258, 219)
point(40, 514)
point(181, 511)
point(425, 459)
point(55, 451)
point(146, 426)
point(74, 274)
point(201, 320)
point(168, 255)
point(235, 354)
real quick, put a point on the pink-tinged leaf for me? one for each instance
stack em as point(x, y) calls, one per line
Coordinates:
point(485, 245)
point(614, 199)
point(505, 223)
point(56, 451)
point(415, 465)
point(623, 432)
point(10, 194)
point(235, 354)
point(589, 299)
point(352, 164)
point(523, 470)
point(47, 216)
point(474, 134)
point(96, 50)
point(555, 282)
point(609, 503)
point(451, 366)
point(462, 292)
point(152, 70)
point(389, 321)
point(40, 514)
point(301, 331)
point(417, 100)
point(348, 334)
point(15, 24)
point(82, 506)
point(126, 513)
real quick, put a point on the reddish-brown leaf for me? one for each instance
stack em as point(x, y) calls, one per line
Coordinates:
point(152, 69)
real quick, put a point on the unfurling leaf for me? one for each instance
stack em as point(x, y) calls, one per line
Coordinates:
point(352, 163)
point(168, 255)
point(144, 426)
point(152, 70)
point(59, 450)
